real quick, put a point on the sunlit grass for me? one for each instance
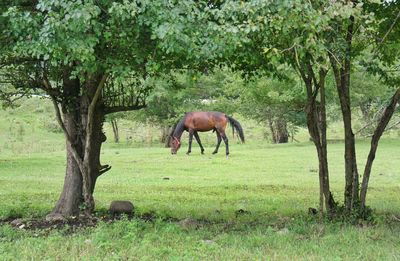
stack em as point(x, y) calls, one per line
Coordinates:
point(274, 184)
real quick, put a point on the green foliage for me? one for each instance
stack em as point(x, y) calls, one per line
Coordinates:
point(183, 91)
point(267, 98)
point(130, 40)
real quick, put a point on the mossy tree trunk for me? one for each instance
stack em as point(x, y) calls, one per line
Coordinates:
point(83, 128)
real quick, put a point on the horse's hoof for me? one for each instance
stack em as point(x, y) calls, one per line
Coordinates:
point(215, 152)
point(187, 153)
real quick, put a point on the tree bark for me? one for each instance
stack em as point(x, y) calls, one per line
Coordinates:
point(329, 201)
point(342, 79)
point(71, 195)
point(278, 128)
point(92, 122)
point(316, 123)
point(281, 133)
point(82, 142)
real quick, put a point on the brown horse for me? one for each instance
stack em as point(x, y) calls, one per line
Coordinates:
point(201, 121)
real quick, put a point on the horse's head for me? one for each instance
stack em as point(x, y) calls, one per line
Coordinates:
point(175, 145)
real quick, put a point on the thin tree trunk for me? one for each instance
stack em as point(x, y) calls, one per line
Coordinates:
point(114, 125)
point(316, 123)
point(342, 78)
point(271, 128)
point(387, 115)
point(329, 202)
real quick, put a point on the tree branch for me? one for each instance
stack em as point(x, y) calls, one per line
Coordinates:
point(390, 28)
point(113, 109)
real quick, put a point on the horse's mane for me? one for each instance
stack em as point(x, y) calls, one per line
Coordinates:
point(180, 127)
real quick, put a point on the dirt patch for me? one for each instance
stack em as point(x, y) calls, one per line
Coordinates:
point(73, 224)
point(67, 225)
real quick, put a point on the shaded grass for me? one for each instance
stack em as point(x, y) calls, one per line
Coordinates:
point(138, 240)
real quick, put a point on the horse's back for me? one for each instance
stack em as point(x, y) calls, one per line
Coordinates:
point(205, 120)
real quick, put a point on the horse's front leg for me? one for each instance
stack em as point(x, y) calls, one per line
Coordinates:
point(190, 141)
point(196, 135)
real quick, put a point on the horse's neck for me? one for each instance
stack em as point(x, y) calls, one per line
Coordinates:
point(179, 129)
point(178, 133)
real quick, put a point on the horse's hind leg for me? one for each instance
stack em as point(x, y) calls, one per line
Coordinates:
point(196, 135)
point(218, 142)
point(226, 143)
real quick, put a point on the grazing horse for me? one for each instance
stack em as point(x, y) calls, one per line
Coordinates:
point(201, 121)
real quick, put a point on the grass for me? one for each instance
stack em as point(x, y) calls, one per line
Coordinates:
point(272, 186)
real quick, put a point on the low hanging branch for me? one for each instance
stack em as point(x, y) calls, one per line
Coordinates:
point(387, 115)
point(393, 125)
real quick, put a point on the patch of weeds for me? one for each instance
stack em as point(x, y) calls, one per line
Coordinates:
point(358, 215)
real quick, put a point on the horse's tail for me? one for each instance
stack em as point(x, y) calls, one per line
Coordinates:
point(236, 125)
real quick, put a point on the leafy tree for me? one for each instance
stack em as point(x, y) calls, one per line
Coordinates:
point(314, 38)
point(92, 58)
point(277, 104)
point(168, 101)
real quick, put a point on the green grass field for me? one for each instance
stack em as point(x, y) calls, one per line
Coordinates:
point(252, 206)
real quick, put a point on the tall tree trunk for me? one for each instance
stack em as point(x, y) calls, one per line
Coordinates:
point(92, 112)
point(71, 195)
point(316, 123)
point(329, 202)
point(82, 153)
point(342, 78)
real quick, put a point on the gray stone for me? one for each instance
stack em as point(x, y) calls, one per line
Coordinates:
point(121, 207)
point(16, 222)
point(283, 231)
point(188, 223)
